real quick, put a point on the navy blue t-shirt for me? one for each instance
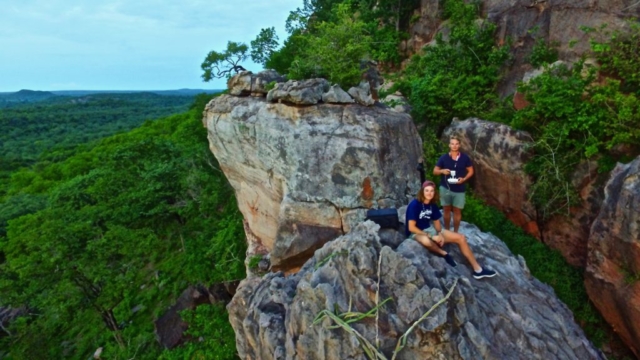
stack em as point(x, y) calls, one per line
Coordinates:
point(459, 166)
point(423, 214)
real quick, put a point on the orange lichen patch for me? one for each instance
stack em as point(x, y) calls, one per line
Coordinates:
point(367, 190)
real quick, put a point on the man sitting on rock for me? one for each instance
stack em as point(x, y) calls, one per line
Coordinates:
point(420, 213)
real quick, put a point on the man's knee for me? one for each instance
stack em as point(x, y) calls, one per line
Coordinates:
point(456, 210)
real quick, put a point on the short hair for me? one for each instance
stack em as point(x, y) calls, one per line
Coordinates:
point(455, 137)
point(420, 194)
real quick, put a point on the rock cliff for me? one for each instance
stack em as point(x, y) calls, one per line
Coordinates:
point(512, 316)
point(305, 174)
point(613, 268)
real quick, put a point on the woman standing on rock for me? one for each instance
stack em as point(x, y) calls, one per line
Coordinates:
point(420, 213)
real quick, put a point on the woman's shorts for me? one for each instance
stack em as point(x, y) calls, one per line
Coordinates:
point(430, 230)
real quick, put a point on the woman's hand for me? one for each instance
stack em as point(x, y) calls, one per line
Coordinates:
point(438, 239)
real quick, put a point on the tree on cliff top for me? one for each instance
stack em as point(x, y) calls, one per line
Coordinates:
point(220, 64)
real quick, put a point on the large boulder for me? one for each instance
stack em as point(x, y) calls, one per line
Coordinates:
point(612, 275)
point(247, 83)
point(300, 92)
point(512, 316)
point(303, 175)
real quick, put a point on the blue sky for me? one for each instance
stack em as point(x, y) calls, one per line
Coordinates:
point(124, 44)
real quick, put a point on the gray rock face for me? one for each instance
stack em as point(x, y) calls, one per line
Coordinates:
point(304, 92)
point(612, 276)
point(511, 316)
point(336, 95)
point(362, 94)
point(247, 83)
point(303, 175)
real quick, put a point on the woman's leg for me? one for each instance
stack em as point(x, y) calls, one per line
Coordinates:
point(430, 245)
point(461, 241)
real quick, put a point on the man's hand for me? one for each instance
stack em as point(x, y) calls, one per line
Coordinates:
point(445, 171)
point(461, 180)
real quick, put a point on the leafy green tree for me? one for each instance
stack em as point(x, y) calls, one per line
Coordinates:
point(264, 45)
point(335, 51)
point(221, 64)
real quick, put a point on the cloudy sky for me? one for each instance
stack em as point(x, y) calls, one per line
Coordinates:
point(124, 44)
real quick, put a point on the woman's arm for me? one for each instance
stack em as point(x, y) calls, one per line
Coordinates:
point(414, 229)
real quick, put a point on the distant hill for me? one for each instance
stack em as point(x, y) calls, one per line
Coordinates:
point(179, 92)
point(26, 96)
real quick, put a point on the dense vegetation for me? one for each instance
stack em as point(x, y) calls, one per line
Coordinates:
point(43, 121)
point(97, 237)
point(97, 245)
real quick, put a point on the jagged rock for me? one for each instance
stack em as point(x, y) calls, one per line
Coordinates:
point(362, 94)
point(304, 175)
point(304, 92)
point(512, 316)
point(613, 266)
point(498, 153)
point(336, 95)
point(247, 83)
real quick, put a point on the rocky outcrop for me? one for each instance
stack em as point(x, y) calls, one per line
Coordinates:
point(612, 275)
point(526, 21)
point(362, 94)
point(304, 92)
point(247, 83)
point(303, 175)
point(498, 153)
point(512, 316)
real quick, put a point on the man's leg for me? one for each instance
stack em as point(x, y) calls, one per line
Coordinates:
point(446, 199)
point(461, 241)
point(457, 201)
point(457, 216)
point(447, 216)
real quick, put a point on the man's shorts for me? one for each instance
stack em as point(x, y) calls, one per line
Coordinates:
point(448, 198)
point(430, 230)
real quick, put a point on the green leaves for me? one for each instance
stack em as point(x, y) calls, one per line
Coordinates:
point(335, 51)
point(128, 225)
point(264, 45)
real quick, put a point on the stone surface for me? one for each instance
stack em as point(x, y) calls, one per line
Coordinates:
point(498, 153)
point(247, 83)
point(336, 95)
point(511, 316)
point(7, 315)
point(303, 92)
point(305, 174)
point(362, 94)
point(612, 276)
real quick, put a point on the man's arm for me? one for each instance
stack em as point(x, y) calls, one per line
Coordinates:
point(438, 171)
point(469, 175)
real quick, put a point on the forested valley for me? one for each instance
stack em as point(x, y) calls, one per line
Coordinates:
point(102, 226)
